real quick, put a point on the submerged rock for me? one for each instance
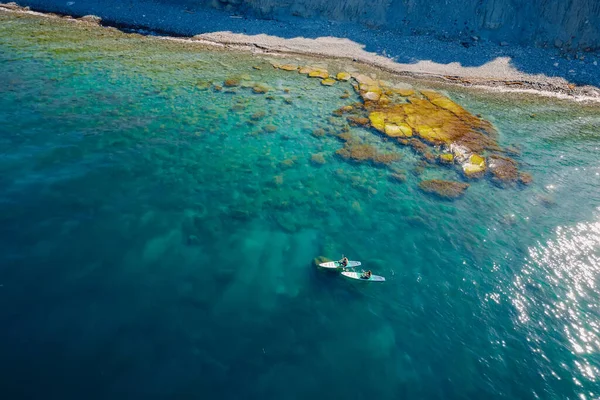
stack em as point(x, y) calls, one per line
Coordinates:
point(260, 89)
point(525, 178)
point(318, 132)
point(288, 67)
point(358, 121)
point(203, 85)
point(231, 82)
point(397, 177)
point(288, 162)
point(444, 189)
point(258, 115)
point(318, 159)
point(503, 169)
point(360, 152)
point(269, 128)
point(328, 82)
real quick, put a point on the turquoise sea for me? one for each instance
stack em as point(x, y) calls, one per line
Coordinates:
point(157, 236)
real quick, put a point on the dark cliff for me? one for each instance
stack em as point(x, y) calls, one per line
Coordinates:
point(569, 24)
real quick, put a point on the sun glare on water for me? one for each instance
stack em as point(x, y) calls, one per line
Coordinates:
point(557, 301)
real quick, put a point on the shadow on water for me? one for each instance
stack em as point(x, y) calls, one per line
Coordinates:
point(185, 18)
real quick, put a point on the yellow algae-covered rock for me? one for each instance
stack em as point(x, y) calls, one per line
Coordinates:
point(343, 76)
point(377, 119)
point(445, 103)
point(288, 67)
point(328, 82)
point(473, 170)
point(365, 87)
point(431, 134)
point(476, 159)
point(362, 78)
point(447, 158)
point(401, 130)
point(383, 100)
point(319, 73)
point(305, 70)
point(475, 167)
point(405, 92)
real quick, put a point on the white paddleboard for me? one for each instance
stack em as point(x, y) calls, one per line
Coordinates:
point(337, 264)
point(356, 275)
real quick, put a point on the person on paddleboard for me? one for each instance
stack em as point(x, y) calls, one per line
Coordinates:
point(366, 275)
point(344, 261)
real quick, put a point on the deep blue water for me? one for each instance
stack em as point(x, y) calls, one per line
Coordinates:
point(157, 241)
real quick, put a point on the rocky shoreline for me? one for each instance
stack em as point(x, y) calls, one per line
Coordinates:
point(498, 74)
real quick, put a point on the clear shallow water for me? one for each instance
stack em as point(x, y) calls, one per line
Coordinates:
point(156, 241)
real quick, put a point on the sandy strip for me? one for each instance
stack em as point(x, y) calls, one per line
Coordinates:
point(496, 75)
